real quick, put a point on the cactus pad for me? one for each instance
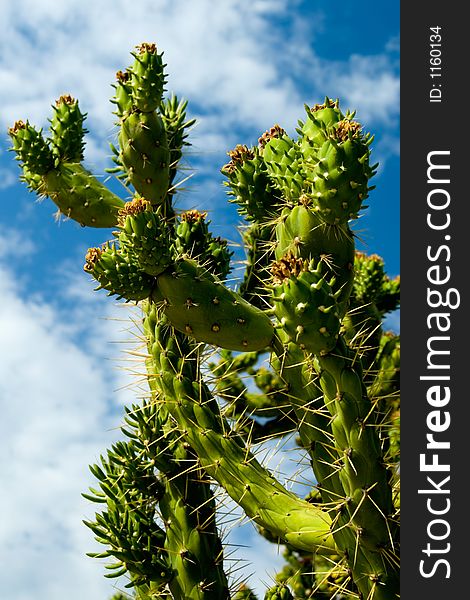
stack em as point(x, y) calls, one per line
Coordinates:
point(80, 196)
point(199, 305)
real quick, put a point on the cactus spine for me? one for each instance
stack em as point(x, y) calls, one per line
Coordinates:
point(309, 306)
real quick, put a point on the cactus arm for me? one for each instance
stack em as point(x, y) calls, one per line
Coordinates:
point(362, 473)
point(224, 457)
point(173, 113)
point(75, 191)
point(188, 509)
point(198, 304)
point(130, 491)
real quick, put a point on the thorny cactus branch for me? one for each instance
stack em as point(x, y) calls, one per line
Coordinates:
point(299, 346)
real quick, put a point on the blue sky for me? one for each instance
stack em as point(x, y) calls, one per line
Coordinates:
point(243, 66)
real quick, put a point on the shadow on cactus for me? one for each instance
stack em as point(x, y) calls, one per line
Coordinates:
point(298, 348)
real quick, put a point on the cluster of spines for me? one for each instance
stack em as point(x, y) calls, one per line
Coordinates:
point(129, 491)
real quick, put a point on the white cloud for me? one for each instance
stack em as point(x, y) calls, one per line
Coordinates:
point(226, 57)
point(58, 415)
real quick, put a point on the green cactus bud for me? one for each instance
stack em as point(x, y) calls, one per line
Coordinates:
point(198, 304)
point(302, 233)
point(116, 272)
point(341, 173)
point(244, 593)
point(147, 78)
point(283, 161)
point(194, 239)
point(145, 236)
point(122, 98)
point(371, 284)
point(67, 130)
point(127, 525)
point(32, 180)
point(320, 118)
point(305, 305)
point(173, 114)
point(249, 184)
point(80, 196)
point(31, 149)
point(279, 592)
point(145, 154)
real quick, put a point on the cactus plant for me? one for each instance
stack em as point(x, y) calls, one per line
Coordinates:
point(297, 346)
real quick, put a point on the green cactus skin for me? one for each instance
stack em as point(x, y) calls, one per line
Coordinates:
point(199, 305)
point(313, 576)
point(283, 161)
point(305, 305)
point(74, 190)
point(362, 473)
point(336, 164)
point(32, 180)
point(67, 130)
point(320, 117)
point(371, 284)
point(116, 272)
point(188, 508)
point(259, 243)
point(145, 154)
point(340, 177)
point(144, 236)
point(173, 114)
point(147, 79)
point(372, 296)
point(80, 196)
point(122, 98)
point(249, 184)
point(301, 233)
point(31, 148)
point(129, 489)
point(279, 592)
point(193, 238)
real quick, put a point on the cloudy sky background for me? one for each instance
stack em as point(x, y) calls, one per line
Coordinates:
point(243, 66)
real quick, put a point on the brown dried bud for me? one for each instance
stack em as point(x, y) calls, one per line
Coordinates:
point(65, 99)
point(346, 129)
point(123, 76)
point(288, 266)
point(16, 127)
point(191, 216)
point(327, 104)
point(275, 132)
point(133, 207)
point(91, 258)
point(147, 47)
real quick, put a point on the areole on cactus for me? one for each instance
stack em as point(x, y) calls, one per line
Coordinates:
point(297, 346)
